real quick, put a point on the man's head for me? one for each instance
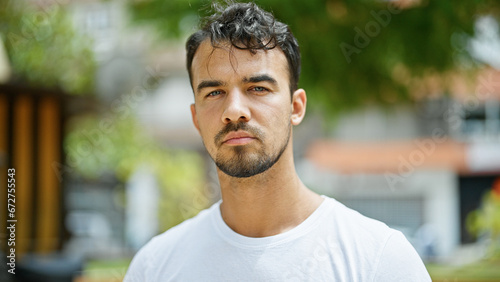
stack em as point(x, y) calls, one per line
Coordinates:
point(246, 26)
point(242, 87)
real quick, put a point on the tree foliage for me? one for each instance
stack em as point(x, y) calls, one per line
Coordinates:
point(353, 52)
point(43, 48)
point(122, 147)
point(485, 221)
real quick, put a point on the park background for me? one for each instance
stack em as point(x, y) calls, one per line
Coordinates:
point(403, 125)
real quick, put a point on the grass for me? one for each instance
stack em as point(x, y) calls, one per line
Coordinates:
point(104, 270)
point(487, 270)
point(484, 271)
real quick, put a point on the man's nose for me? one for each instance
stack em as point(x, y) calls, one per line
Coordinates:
point(236, 107)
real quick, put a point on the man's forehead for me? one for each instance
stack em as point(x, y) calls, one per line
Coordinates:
point(209, 57)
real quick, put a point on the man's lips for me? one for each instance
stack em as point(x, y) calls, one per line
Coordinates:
point(238, 138)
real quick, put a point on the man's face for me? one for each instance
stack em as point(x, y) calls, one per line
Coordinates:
point(242, 107)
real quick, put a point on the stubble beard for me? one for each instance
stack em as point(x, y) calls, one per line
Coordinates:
point(245, 162)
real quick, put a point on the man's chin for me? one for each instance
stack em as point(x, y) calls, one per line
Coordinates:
point(241, 173)
point(242, 167)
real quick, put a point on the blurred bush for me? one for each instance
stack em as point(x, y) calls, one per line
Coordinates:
point(44, 49)
point(486, 220)
point(122, 147)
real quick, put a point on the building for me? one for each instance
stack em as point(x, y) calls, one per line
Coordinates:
point(420, 169)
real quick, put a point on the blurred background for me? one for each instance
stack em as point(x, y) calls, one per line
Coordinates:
point(403, 125)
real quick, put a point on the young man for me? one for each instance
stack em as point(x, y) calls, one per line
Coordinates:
point(244, 68)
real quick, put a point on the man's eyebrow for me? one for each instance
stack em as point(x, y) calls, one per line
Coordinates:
point(261, 78)
point(209, 83)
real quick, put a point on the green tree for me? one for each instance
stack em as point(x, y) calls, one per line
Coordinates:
point(123, 147)
point(43, 48)
point(485, 221)
point(354, 52)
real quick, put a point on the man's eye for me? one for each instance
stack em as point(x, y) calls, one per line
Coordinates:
point(259, 89)
point(214, 93)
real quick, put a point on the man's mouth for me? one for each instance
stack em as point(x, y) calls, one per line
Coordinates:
point(238, 138)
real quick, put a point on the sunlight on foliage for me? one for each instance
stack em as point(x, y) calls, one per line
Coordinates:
point(352, 50)
point(44, 49)
point(485, 221)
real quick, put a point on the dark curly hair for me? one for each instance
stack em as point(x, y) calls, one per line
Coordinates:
point(246, 26)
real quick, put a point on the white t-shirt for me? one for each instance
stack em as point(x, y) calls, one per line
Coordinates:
point(334, 243)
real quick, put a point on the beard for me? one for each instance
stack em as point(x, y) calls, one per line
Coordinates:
point(244, 161)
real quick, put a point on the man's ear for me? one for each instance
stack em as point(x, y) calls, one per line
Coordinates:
point(299, 101)
point(195, 119)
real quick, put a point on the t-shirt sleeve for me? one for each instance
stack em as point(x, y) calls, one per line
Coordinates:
point(400, 262)
point(139, 267)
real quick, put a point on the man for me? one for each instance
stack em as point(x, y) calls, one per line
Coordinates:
point(244, 68)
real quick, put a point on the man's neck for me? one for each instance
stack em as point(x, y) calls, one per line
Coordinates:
point(267, 204)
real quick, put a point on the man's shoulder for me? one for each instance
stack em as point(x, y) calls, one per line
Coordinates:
point(165, 247)
point(356, 224)
point(184, 231)
point(389, 254)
